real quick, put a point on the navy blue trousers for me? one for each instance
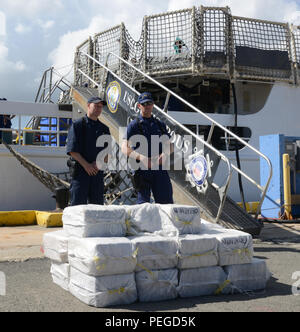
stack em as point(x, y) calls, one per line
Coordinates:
point(160, 184)
point(87, 189)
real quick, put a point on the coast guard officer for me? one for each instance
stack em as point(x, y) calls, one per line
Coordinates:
point(87, 181)
point(155, 180)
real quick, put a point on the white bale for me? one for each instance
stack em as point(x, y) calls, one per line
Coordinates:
point(55, 246)
point(157, 285)
point(94, 221)
point(247, 277)
point(60, 274)
point(186, 219)
point(202, 281)
point(143, 218)
point(103, 291)
point(155, 252)
point(209, 227)
point(102, 256)
point(197, 251)
point(235, 247)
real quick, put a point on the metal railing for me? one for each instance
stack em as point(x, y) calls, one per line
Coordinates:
point(214, 124)
point(214, 43)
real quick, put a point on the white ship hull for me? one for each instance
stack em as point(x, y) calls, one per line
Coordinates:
point(20, 190)
point(279, 115)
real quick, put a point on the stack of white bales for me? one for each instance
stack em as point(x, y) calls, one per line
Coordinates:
point(211, 259)
point(101, 258)
point(152, 252)
point(197, 252)
point(55, 246)
point(156, 250)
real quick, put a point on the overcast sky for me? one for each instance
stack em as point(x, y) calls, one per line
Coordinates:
point(36, 34)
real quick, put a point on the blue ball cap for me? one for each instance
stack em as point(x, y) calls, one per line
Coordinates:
point(145, 97)
point(96, 100)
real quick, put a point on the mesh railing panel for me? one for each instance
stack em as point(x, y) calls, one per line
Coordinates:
point(214, 44)
point(206, 40)
point(261, 49)
point(133, 51)
point(82, 63)
point(169, 43)
point(104, 43)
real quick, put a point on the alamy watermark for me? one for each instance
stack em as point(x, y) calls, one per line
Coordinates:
point(296, 285)
point(183, 146)
point(2, 284)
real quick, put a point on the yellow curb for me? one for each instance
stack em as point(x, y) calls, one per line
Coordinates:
point(17, 218)
point(27, 218)
point(49, 219)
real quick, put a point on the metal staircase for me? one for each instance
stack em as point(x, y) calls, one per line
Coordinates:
point(216, 206)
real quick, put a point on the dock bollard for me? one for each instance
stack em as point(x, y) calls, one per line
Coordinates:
point(287, 188)
point(62, 197)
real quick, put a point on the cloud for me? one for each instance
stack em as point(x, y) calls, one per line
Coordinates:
point(293, 17)
point(30, 8)
point(2, 24)
point(63, 55)
point(6, 65)
point(22, 29)
point(132, 14)
point(274, 10)
point(45, 25)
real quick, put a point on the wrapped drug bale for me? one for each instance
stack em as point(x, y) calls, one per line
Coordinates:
point(186, 219)
point(247, 277)
point(203, 281)
point(103, 291)
point(60, 274)
point(55, 246)
point(210, 228)
point(157, 285)
point(143, 218)
point(155, 252)
point(94, 221)
point(234, 247)
point(197, 251)
point(102, 256)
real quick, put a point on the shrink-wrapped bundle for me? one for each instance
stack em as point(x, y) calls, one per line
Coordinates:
point(203, 281)
point(157, 285)
point(103, 291)
point(234, 247)
point(247, 277)
point(142, 218)
point(197, 251)
point(185, 219)
point(155, 252)
point(55, 246)
point(60, 273)
point(94, 221)
point(102, 256)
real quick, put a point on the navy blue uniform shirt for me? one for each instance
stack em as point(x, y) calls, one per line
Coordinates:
point(149, 127)
point(86, 146)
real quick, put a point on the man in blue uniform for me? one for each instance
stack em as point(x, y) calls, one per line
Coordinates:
point(87, 182)
point(150, 179)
